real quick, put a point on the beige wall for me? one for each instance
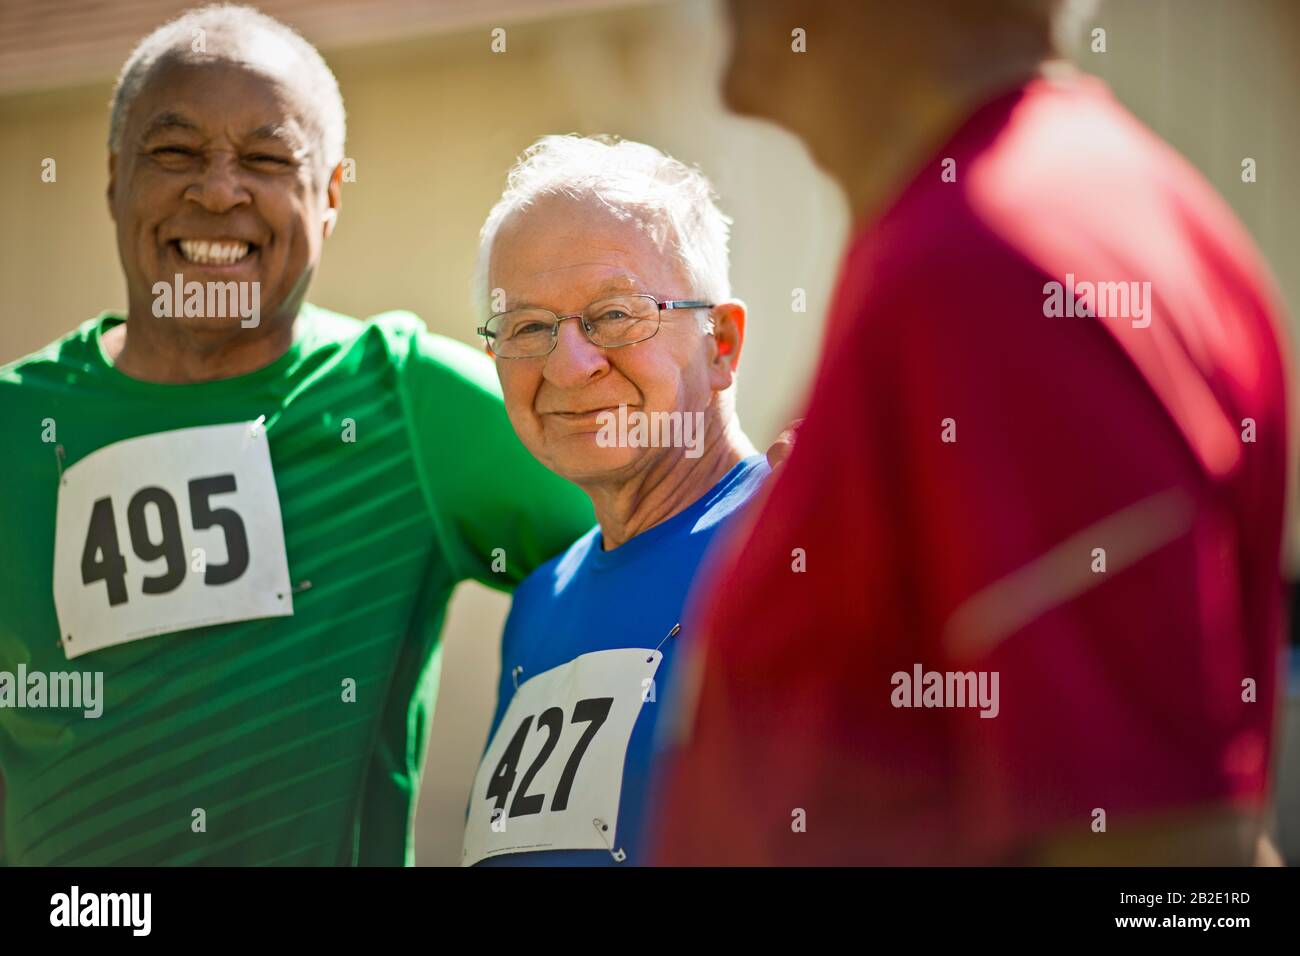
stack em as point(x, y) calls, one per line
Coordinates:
point(435, 121)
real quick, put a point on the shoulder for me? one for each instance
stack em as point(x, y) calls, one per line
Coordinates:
point(68, 352)
point(551, 580)
point(37, 384)
point(427, 355)
point(428, 365)
point(737, 496)
point(542, 595)
point(387, 333)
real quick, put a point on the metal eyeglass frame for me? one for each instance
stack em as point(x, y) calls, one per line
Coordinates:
point(664, 306)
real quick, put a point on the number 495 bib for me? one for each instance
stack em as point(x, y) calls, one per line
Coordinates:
point(166, 532)
point(552, 776)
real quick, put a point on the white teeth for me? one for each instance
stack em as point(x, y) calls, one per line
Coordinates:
point(212, 253)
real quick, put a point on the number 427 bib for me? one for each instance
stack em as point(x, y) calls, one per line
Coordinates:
point(552, 776)
point(166, 532)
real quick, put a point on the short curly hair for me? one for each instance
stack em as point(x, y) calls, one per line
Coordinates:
point(218, 21)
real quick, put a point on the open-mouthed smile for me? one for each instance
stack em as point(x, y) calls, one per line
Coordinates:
point(213, 252)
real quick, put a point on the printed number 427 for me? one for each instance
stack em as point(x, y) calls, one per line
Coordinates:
point(593, 711)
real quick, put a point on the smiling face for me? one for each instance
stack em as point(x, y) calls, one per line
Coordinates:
point(562, 254)
point(219, 179)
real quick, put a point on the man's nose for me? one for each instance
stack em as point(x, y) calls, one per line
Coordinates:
point(220, 186)
point(574, 361)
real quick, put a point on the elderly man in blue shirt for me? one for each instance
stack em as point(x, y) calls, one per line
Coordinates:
point(616, 340)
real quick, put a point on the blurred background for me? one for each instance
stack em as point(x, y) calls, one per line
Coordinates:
point(435, 118)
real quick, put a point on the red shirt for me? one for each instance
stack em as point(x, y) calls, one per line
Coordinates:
point(1118, 690)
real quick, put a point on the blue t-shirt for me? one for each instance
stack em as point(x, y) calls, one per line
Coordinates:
point(590, 600)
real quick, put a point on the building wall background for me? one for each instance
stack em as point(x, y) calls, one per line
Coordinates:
point(435, 119)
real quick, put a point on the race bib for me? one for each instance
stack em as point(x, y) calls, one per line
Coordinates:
point(166, 532)
point(552, 775)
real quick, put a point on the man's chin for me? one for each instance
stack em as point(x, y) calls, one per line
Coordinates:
point(203, 305)
point(581, 460)
point(203, 326)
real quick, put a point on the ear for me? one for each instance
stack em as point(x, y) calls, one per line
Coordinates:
point(728, 338)
point(334, 197)
point(112, 184)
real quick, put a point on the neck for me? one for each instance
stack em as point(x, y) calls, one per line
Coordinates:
point(669, 484)
point(889, 148)
point(166, 353)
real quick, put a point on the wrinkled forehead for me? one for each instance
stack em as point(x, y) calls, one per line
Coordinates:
point(583, 245)
point(251, 80)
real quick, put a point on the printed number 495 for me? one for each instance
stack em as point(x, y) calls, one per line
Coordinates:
point(102, 561)
point(593, 711)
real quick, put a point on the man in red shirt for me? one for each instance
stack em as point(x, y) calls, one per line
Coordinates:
point(1016, 595)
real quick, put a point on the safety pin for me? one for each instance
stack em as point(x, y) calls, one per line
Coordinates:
point(672, 633)
point(601, 828)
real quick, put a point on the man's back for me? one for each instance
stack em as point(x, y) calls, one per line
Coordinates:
point(1083, 514)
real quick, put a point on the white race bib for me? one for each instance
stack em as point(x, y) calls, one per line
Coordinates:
point(166, 532)
point(552, 775)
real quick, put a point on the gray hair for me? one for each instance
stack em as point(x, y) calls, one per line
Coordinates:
point(674, 201)
point(232, 20)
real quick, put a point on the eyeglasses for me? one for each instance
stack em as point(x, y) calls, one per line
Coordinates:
point(608, 323)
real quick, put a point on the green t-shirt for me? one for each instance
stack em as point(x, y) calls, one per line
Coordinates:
point(398, 476)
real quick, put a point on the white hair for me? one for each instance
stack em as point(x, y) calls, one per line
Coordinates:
point(676, 203)
point(218, 21)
